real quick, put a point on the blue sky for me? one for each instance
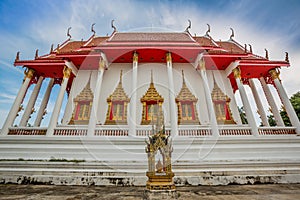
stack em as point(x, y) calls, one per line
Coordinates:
point(29, 25)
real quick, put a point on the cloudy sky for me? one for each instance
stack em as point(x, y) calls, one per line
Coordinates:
point(29, 25)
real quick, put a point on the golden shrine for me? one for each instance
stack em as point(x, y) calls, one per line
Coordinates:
point(160, 175)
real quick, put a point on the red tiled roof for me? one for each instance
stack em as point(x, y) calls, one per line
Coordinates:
point(151, 37)
point(96, 41)
point(71, 46)
point(231, 47)
point(205, 41)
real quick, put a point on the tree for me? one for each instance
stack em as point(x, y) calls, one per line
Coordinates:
point(295, 101)
point(243, 115)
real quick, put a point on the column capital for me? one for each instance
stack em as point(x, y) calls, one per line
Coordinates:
point(101, 64)
point(237, 72)
point(201, 64)
point(29, 73)
point(135, 57)
point(67, 72)
point(169, 57)
point(274, 73)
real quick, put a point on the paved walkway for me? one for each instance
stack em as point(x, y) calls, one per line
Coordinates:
point(230, 192)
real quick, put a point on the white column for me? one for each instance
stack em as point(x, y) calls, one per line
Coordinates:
point(58, 103)
point(246, 104)
point(44, 103)
point(172, 106)
point(285, 100)
point(212, 115)
point(93, 116)
point(258, 102)
point(30, 105)
point(17, 103)
point(132, 117)
point(271, 102)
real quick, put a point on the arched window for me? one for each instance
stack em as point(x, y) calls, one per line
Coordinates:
point(117, 106)
point(186, 104)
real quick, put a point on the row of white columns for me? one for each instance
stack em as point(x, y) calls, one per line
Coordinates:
point(29, 74)
point(282, 94)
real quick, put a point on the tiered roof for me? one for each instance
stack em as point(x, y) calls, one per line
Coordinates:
point(151, 47)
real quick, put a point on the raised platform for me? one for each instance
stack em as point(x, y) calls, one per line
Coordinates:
point(122, 161)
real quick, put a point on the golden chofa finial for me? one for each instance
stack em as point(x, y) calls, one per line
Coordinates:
point(189, 26)
point(267, 54)
point(36, 54)
point(183, 79)
point(92, 29)
point(208, 30)
point(17, 56)
point(113, 26)
point(68, 33)
point(51, 49)
point(287, 57)
point(250, 48)
point(232, 34)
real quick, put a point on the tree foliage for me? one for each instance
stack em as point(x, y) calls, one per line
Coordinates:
point(295, 101)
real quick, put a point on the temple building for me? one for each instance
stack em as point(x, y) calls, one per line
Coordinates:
point(119, 86)
point(127, 77)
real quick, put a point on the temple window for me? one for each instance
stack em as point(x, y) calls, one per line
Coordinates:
point(117, 106)
point(221, 106)
point(83, 105)
point(186, 104)
point(152, 105)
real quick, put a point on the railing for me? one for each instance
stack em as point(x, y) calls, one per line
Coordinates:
point(224, 131)
point(276, 130)
point(27, 131)
point(194, 132)
point(190, 131)
point(148, 130)
point(70, 131)
point(111, 132)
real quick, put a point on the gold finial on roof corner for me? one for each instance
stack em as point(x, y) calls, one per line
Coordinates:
point(68, 33)
point(92, 29)
point(232, 34)
point(208, 30)
point(250, 48)
point(36, 54)
point(287, 57)
point(113, 26)
point(189, 26)
point(267, 54)
point(51, 48)
point(17, 56)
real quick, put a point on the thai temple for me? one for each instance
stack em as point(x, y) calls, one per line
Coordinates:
point(118, 87)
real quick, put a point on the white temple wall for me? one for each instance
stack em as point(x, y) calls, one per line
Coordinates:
point(195, 84)
point(160, 79)
point(110, 81)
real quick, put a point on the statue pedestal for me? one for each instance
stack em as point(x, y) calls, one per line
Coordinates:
point(160, 194)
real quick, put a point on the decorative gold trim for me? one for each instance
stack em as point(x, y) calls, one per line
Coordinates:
point(121, 97)
point(185, 95)
point(67, 72)
point(135, 57)
point(237, 72)
point(150, 97)
point(101, 64)
point(274, 73)
point(29, 73)
point(168, 57)
point(86, 95)
point(219, 100)
point(202, 64)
